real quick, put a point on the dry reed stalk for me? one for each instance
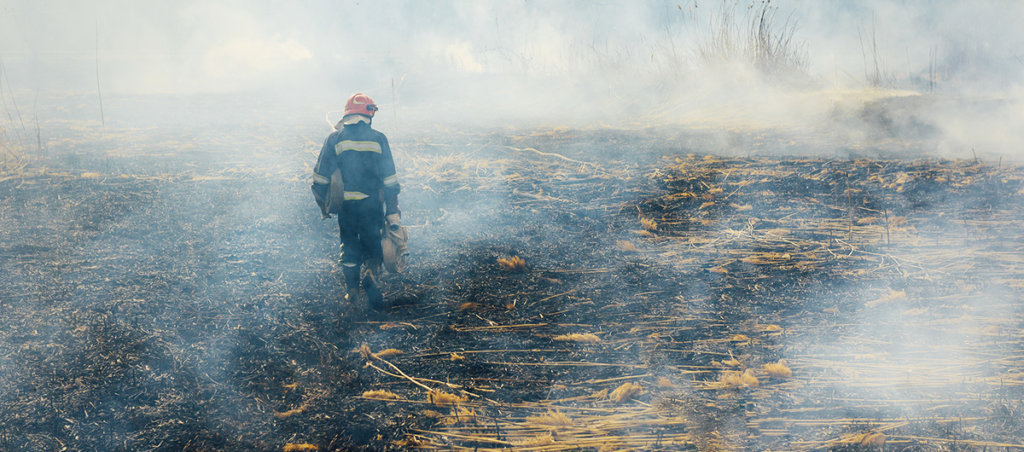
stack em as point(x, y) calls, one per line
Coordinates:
point(539, 440)
point(566, 364)
point(587, 338)
point(497, 328)
point(866, 439)
point(475, 438)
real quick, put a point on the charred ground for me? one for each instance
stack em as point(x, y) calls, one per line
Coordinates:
point(176, 302)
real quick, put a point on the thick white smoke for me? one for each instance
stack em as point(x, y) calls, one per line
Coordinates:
point(533, 64)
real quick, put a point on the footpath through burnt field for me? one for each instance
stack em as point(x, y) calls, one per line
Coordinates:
point(566, 290)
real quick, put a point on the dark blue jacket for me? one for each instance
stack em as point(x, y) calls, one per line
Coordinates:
point(364, 157)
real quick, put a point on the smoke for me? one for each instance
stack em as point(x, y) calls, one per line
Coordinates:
point(200, 80)
point(534, 64)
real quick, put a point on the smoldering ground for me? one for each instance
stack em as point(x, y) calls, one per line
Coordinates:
point(169, 285)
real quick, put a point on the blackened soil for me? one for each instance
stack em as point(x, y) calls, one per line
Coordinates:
point(204, 313)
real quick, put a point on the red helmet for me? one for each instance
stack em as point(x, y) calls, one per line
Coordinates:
point(360, 104)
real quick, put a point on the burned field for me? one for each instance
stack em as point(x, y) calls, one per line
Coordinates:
point(566, 290)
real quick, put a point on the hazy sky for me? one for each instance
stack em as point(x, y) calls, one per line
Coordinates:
point(573, 58)
point(189, 46)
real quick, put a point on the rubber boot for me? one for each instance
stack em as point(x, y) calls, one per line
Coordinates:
point(373, 296)
point(351, 283)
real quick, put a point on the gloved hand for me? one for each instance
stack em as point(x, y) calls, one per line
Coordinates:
point(394, 221)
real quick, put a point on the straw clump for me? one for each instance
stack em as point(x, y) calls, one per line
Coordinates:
point(663, 382)
point(460, 415)
point(432, 414)
point(732, 379)
point(291, 412)
point(625, 246)
point(625, 392)
point(512, 264)
point(380, 394)
point(649, 224)
point(389, 352)
point(365, 352)
point(778, 369)
point(444, 398)
point(730, 362)
point(551, 418)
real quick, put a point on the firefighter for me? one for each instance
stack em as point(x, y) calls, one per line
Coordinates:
point(370, 195)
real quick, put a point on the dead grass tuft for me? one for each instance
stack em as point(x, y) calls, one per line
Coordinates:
point(732, 379)
point(432, 414)
point(626, 247)
point(731, 362)
point(365, 352)
point(586, 338)
point(663, 382)
point(289, 413)
point(555, 418)
point(389, 352)
point(460, 415)
point(380, 394)
point(444, 398)
point(778, 369)
point(625, 392)
point(409, 442)
point(512, 264)
point(740, 338)
point(649, 224)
